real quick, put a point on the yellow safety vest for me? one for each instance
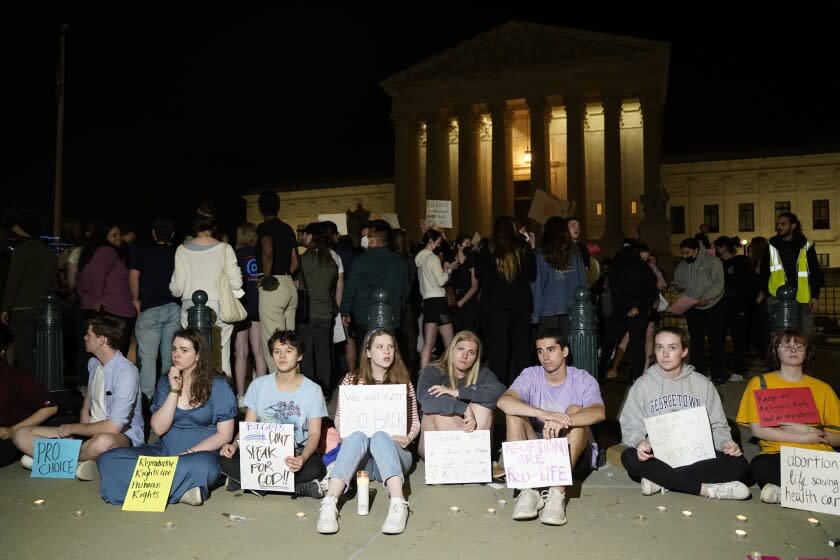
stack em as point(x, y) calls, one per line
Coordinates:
point(777, 274)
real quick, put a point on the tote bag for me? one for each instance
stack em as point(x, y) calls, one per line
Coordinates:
point(230, 308)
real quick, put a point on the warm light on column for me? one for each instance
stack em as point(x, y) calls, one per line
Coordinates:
point(599, 209)
point(527, 157)
point(633, 208)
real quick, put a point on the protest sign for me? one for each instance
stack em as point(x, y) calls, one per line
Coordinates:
point(681, 438)
point(439, 213)
point(537, 462)
point(150, 484)
point(811, 480)
point(545, 205)
point(795, 404)
point(263, 446)
point(457, 457)
point(372, 408)
point(55, 458)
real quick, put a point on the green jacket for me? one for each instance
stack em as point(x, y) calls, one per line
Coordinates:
point(378, 268)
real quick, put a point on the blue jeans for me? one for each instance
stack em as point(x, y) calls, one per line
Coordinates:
point(154, 331)
point(381, 456)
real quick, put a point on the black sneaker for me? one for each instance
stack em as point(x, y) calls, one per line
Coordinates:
point(232, 485)
point(311, 489)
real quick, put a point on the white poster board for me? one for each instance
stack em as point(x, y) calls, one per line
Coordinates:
point(457, 457)
point(545, 205)
point(338, 330)
point(372, 408)
point(681, 438)
point(439, 213)
point(811, 480)
point(263, 446)
point(340, 220)
point(537, 462)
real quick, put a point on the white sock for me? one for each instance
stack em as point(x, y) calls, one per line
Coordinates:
point(397, 501)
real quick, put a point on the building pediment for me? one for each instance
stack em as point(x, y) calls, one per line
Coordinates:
point(519, 47)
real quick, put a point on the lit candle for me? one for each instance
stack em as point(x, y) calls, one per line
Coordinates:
point(741, 518)
point(740, 534)
point(503, 503)
point(687, 513)
point(362, 493)
point(491, 512)
point(661, 509)
point(813, 522)
point(39, 503)
point(641, 518)
point(454, 509)
point(169, 525)
point(756, 555)
point(300, 515)
point(78, 513)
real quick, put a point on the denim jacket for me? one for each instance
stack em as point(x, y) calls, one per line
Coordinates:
point(554, 289)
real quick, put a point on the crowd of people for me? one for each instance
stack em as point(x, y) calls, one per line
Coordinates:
point(460, 324)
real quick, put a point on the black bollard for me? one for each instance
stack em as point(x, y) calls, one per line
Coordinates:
point(49, 345)
point(381, 315)
point(583, 333)
point(786, 312)
point(200, 317)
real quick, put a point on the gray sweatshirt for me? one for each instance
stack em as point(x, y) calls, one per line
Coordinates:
point(655, 393)
point(484, 392)
point(702, 278)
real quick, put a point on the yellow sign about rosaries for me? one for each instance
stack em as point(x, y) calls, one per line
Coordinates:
point(150, 484)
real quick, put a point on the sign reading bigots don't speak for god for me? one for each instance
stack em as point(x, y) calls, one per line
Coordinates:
point(55, 458)
point(263, 448)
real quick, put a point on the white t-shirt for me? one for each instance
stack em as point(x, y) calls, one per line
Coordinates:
point(97, 396)
point(338, 262)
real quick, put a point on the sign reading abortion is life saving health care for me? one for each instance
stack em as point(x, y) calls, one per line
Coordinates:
point(811, 480)
point(372, 408)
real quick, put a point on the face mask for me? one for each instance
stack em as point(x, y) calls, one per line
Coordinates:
point(365, 242)
point(690, 260)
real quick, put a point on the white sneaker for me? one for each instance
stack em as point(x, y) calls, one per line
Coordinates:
point(771, 494)
point(26, 462)
point(528, 503)
point(554, 512)
point(734, 490)
point(397, 518)
point(87, 470)
point(736, 378)
point(192, 497)
point(649, 488)
point(328, 516)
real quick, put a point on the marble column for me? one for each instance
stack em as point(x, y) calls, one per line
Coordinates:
point(539, 113)
point(437, 157)
point(576, 153)
point(655, 228)
point(409, 194)
point(471, 208)
point(502, 163)
point(613, 203)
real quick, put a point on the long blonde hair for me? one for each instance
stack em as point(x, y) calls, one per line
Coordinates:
point(445, 362)
point(397, 373)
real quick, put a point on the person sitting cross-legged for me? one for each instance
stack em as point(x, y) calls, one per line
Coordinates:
point(553, 400)
point(671, 385)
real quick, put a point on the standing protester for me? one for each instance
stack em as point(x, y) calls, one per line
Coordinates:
point(432, 277)
point(791, 260)
point(248, 332)
point(465, 314)
point(736, 302)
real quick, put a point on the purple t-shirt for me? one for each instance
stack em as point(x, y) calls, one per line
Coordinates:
point(579, 389)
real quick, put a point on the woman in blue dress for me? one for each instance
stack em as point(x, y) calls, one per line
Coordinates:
point(194, 410)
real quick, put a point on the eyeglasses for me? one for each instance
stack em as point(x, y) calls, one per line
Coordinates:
point(798, 347)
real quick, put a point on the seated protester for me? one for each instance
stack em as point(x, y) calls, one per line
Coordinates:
point(285, 397)
point(111, 415)
point(24, 403)
point(384, 456)
point(193, 413)
point(456, 392)
point(671, 385)
point(553, 400)
point(790, 355)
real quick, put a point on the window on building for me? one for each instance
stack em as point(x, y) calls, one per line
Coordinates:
point(822, 258)
point(821, 219)
point(746, 217)
point(677, 219)
point(711, 217)
point(782, 206)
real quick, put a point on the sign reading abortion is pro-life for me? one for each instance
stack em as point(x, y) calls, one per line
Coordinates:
point(811, 480)
point(263, 448)
point(372, 408)
point(537, 462)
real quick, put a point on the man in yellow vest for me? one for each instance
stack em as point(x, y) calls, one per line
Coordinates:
point(792, 260)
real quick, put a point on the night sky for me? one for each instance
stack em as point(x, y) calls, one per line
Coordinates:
point(163, 109)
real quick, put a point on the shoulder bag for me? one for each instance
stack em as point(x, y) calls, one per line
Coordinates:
point(231, 309)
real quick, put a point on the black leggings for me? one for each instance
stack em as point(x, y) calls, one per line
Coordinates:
point(767, 469)
point(687, 479)
point(312, 469)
